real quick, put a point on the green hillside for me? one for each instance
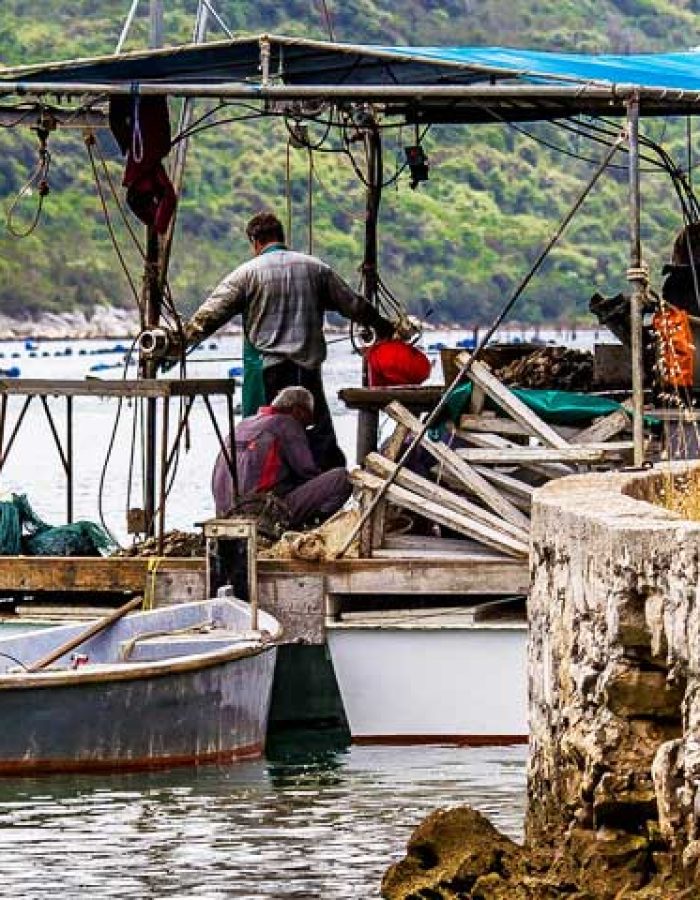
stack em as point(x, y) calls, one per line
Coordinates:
point(457, 245)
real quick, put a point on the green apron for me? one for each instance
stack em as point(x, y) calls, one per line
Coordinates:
point(253, 396)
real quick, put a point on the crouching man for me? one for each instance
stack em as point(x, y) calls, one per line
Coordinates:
point(273, 456)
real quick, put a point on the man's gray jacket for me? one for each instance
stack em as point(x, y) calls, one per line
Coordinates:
point(283, 296)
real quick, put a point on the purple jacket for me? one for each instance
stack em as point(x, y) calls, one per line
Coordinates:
point(272, 454)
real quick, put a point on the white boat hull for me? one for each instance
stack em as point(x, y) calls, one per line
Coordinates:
point(416, 684)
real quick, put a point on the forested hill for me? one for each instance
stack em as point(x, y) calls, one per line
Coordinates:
point(459, 244)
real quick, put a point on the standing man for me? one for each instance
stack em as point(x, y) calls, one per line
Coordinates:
point(283, 297)
point(273, 456)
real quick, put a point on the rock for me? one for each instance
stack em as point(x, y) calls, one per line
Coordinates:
point(448, 854)
point(632, 692)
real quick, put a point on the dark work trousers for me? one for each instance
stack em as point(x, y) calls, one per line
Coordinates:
point(322, 440)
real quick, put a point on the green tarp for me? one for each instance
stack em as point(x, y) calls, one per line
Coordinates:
point(555, 407)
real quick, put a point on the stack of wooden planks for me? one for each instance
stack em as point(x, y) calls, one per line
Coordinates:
point(481, 483)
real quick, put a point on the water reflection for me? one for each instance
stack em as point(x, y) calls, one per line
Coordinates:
point(317, 819)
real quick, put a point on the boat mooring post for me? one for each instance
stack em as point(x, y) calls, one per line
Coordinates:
point(638, 277)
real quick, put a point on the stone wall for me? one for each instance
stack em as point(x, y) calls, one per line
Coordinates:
point(614, 673)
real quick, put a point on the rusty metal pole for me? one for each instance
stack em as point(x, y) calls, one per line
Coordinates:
point(152, 296)
point(638, 279)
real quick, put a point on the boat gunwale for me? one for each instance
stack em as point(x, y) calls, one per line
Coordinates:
point(137, 671)
point(127, 671)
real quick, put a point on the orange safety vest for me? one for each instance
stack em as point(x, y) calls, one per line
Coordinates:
point(677, 352)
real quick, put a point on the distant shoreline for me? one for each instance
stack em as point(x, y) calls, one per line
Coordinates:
point(120, 324)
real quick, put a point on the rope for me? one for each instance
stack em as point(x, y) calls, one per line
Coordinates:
point(89, 144)
point(151, 575)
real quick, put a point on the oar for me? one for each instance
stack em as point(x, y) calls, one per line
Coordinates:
point(79, 639)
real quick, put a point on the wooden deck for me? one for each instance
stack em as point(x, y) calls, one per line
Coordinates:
point(300, 594)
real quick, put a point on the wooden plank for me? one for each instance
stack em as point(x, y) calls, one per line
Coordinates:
point(123, 575)
point(516, 409)
point(477, 400)
point(380, 577)
point(392, 448)
point(419, 546)
point(416, 576)
point(553, 470)
point(518, 456)
point(421, 398)
point(508, 483)
point(605, 428)
point(431, 491)
point(474, 482)
point(492, 425)
point(517, 499)
point(97, 387)
point(437, 513)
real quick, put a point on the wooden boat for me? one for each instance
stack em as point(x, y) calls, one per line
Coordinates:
point(179, 685)
point(440, 675)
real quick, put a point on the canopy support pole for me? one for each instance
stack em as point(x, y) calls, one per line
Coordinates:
point(152, 297)
point(638, 278)
point(375, 177)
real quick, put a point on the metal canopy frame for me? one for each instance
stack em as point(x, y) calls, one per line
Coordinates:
point(291, 77)
point(424, 85)
point(153, 391)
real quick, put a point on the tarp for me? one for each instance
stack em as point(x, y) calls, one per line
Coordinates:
point(297, 61)
point(555, 407)
point(484, 83)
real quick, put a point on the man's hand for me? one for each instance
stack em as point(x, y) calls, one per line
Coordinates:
point(406, 329)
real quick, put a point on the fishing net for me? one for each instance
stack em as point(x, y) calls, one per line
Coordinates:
point(22, 531)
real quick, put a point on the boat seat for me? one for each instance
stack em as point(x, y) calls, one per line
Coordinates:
point(158, 647)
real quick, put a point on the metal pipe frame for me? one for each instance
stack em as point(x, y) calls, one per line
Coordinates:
point(638, 282)
point(229, 457)
point(406, 92)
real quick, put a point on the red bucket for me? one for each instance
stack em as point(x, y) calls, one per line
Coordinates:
point(392, 363)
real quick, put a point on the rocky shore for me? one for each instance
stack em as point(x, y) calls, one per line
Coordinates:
point(614, 687)
point(105, 322)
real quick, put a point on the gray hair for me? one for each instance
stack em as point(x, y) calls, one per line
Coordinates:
point(294, 396)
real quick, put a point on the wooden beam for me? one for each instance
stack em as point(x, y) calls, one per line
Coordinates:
point(471, 479)
point(520, 500)
point(492, 425)
point(506, 399)
point(431, 491)
point(518, 456)
point(494, 441)
point(605, 428)
point(392, 448)
point(464, 576)
point(438, 513)
point(118, 575)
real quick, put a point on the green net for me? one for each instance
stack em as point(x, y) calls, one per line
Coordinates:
point(23, 532)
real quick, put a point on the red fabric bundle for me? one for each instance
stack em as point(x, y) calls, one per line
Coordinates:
point(394, 362)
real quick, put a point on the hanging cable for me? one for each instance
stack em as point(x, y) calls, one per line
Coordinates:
point(39, 178)
point(89, 144)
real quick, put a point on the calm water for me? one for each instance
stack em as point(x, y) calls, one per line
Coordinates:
point(308, 822)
